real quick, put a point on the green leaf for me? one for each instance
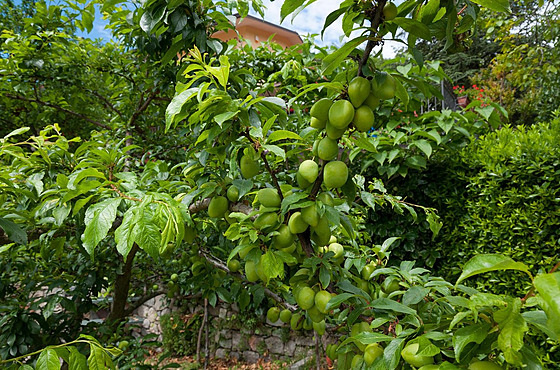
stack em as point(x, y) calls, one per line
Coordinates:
point(48, 360)
point(288, 7)
point(414, 27)
point(424, 146)
point(25, 367)
point(496, 5)
point(539, 319)
point(99, 219)
point(150, 19)
point(333, 60)
point(244, 186)
point(98, 359)
point(414, 295)
point(333, 16)
point(434, 222)
point(282, 135)
point(147, 233)
point(390, 305)
point(176, 105)
point(276, 150)
point(548, 287)
point(371, 337)
point(512, 330)
point(272, 265)
point(77, 360)
point(14, 232)
point(473, 333)
point(338, 299)
point(221, 118)
point(19, 131)
point(324, 277)
point(125, 233)
point(490, 262)
point(401, 92)
point(392, 353)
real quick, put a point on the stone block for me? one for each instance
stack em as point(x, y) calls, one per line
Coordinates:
point(274, 345)
point(221, 353)
point(251, 357)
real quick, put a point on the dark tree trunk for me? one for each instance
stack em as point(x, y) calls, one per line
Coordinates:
point(122, 284)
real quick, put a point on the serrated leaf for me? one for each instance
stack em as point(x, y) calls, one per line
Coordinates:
point(276, 150)
point(392, 353)
point(324, 277)
point(99, 219)
point(147, 233)
point(414, 295)
point(176, 105)
point(490, 262)
point(48, 360)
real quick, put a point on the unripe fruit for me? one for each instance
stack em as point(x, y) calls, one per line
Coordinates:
point(390, 11)
point(484, 365)
point(372, 352)
point(409, 355)
point(285, 315)
point(218, 207)
point(337, 249)
point(335, 174)
point(436, 367)
point(372, 101)
point(251, 271)
point(363, 119)
point(301, 181)
point(327, 149)
point(296, 321)
point(315, 315)
point(322, 232)
point(358, 90)
point(307, 324)
point(321, 299)
point(249, 167)
point(174, 277)
point(273, 314)
point(390, 285)
point(289, 250)
point(309, 170)
point(367, 271)
point(356, 361)
point(326, 198)
point(123, 344)
point(306, 298)
point(266, 220)
point(269, 197)
point(310, 215)
point(233, 194)
point(333, 239)
point(234, 265)
point(341, 114)
point(383, 86)
point(296, 223)
point(320, 327)
point(285, 238)
point(320, 109)
point(155, 287)
point(317, 123)
point(190, 234)
point(334, 133)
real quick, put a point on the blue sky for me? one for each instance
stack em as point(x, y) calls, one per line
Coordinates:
point(309, 21)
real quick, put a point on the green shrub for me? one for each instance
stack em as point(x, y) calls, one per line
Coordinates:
point(500, 194)
point(180, 333)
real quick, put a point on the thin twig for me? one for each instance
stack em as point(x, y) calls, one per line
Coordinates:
point(373, 41)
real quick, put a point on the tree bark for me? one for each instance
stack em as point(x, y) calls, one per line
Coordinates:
point(122, 284)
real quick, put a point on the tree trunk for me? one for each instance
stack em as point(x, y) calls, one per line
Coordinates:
point(122, 284)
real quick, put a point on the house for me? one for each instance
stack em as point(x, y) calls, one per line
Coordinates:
point(256, 31)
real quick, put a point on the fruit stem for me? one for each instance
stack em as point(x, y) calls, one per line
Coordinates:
point(373, 41)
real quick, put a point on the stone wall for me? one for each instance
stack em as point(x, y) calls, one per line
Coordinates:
point(230, 337)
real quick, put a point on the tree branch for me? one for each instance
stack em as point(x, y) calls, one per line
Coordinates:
point(106, 102)
point(372, 42)
point(131, 308)
point(222, 266)
point(58, 107)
